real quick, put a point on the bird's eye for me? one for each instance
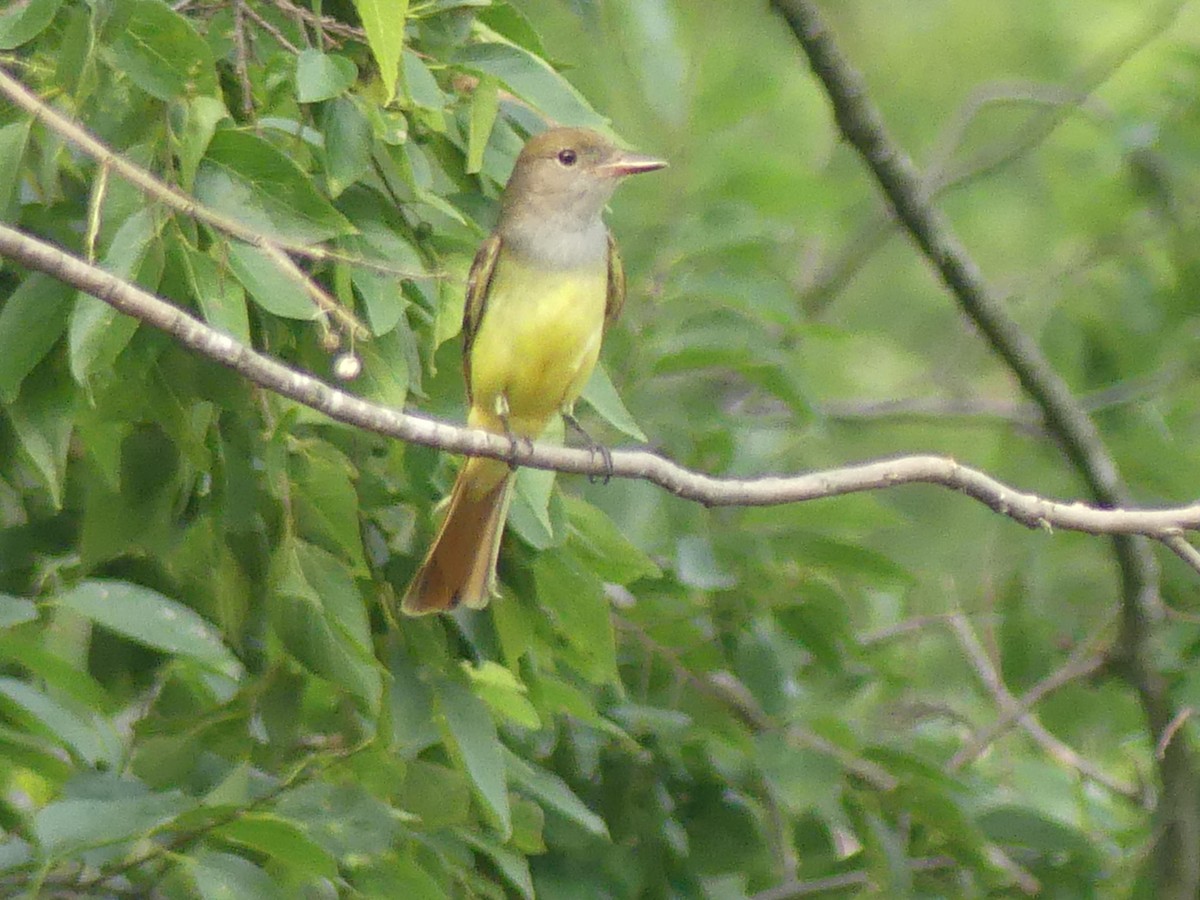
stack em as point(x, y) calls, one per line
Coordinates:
point(567, 157)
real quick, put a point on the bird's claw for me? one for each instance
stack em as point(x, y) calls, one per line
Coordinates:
point(596, 448)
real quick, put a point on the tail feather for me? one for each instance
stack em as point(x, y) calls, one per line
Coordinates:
point(461, 565)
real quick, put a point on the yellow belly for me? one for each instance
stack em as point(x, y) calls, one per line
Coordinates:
point(536, 345)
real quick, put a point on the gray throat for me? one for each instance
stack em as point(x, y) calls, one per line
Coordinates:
point(551, 243)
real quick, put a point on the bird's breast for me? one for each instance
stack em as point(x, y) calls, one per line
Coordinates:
point(537, 342)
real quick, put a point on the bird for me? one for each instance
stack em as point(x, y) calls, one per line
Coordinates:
point(542, 291)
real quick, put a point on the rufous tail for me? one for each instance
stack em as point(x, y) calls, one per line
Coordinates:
point(461, 565)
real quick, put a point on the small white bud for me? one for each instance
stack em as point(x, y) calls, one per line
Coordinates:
point(347, 366)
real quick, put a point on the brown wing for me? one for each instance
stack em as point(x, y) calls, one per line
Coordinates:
point(615, 301)
point(478, 281)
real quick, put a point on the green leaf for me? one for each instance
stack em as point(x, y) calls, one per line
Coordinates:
point(248, 179)
point(347, 145)
point(282, 840)
point(342, 818)
point(146, 616)
point(530, 514)
point(819, 618)
point(419, 84)
point(343, 603)
point(93, 742)
point(552, 791)
point(602, 396)
point(438, 795)
point(223, 876)
point(533, 79)
point(529, 827)
point(269, 286)
point(325, 501)
point(322, 76)
point(845, 558)
point(67, 826)
point(13, 138)
point(485, 103)
point(22, 22)
point(43, 418)
point(96, 332)
point(14, 852)
point(1024, 827)
point(410, 704)
point(200, 115)
point(508, 21)
point(310, 632)
point(512, 865)
point(531, 507)
point(16, 611)
point(574, 597)
point(383, 297)
point(222, 300)
point(603, 547)
point(32, 318)
point(160, 52)
point(385, 370)
point(384, 20)
point(803, 780)
point(402, 877)
point(55, 674)
point(471, 733)
point(501, 690)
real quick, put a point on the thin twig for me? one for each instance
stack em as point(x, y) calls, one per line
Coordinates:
point(733, 696)
point(270, 29)
point(1022, 415)
point(1168, 735)
point(1086, 660)
point(241, 58)
point(327, 23)
point(1056, 749)
point(1181, 547)
point(813, 886)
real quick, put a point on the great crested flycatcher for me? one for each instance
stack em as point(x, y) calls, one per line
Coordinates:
point(543, 289)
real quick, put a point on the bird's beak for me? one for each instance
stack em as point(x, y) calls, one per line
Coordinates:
point(625, 163)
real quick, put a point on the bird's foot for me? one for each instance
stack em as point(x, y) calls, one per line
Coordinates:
point(596, 448)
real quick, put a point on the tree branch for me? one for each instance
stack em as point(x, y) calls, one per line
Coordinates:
point(1008, 704)
point(1028, 509)
point(1177, 857)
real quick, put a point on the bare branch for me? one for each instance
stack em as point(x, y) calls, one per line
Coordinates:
point(1087, 659)
point(1160, 749)
point(995, 685)
point(1179, 545)
point(1028, 509)
point(250, 13)
point(730, 693)
point(326, 23)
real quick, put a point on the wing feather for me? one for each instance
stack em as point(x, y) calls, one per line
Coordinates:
point(478, 282)
point(615, 301)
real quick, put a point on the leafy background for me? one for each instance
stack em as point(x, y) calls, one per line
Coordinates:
point(201, 694)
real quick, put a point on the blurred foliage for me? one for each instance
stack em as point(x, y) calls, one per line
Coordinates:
point(199, 693)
